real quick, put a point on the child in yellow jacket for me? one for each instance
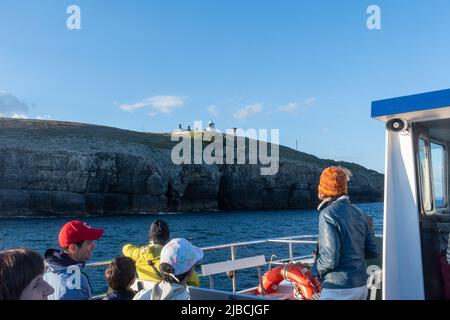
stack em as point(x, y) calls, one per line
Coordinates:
point(141, 255)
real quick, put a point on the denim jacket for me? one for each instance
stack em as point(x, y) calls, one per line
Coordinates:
point(345, 242)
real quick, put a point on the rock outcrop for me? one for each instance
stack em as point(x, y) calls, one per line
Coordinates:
point(62, 168)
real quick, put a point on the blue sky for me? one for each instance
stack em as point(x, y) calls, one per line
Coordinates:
point(309, 68)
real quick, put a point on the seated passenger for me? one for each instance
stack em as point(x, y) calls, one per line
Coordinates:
point(147, 257)
point(21, 276)
point(120, 275)
point(64, 270)
point(178, 260)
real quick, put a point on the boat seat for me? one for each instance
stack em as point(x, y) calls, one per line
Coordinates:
point(209, 270)
point(232, 265)
point(211, 294)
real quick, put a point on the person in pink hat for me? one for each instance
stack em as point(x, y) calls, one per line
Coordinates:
point(178, 260)
point(64, 267)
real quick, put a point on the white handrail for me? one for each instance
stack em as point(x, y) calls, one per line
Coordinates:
point(240, 244)
point(234, 245)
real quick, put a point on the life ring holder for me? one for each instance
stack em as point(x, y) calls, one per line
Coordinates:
point(285, 267)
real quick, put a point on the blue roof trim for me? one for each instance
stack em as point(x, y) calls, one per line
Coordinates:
point(417, 102)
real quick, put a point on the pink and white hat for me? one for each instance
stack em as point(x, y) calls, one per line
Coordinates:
point(181, 255)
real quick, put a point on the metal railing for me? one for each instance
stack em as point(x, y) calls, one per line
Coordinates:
point(289, 240)
point(233, 248)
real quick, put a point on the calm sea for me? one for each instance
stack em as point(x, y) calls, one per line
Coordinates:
point(203, 229)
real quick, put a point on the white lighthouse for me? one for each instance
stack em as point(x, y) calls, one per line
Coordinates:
point(211, 126)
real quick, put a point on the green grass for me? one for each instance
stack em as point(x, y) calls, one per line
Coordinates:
point(57, 131)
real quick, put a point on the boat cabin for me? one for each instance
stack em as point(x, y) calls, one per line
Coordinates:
point(416, 209)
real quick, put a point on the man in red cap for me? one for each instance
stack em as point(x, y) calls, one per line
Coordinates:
point(64, 267)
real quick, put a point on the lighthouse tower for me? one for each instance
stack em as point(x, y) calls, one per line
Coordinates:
point(211, 126)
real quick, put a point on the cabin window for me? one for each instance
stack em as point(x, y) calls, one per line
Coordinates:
point(425, 178)
point(439, 176)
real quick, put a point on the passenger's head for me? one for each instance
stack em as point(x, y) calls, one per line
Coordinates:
point(178, 260)
point(121, 273)
point(77, 239)
point(159, 232)
point(333, 182)
point(21, 276)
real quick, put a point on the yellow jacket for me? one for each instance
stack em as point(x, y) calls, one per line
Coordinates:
point(141, 256)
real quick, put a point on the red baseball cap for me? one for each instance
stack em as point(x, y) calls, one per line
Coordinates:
point(76, 231)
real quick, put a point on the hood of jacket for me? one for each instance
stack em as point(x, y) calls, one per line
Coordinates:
point(57, 260)
point(152, 251)
point(164, 291)
point(170, 291)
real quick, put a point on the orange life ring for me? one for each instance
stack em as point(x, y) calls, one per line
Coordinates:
point(306, 285)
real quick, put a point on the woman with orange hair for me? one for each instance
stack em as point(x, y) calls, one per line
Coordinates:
point(346, 240)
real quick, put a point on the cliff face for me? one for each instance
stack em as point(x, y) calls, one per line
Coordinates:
point(60, 168)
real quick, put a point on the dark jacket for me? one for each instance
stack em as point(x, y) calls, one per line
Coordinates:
point(345, 242)
point(66, 276)
point(120, 295)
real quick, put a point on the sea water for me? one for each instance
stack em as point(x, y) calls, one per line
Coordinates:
point(203, 229)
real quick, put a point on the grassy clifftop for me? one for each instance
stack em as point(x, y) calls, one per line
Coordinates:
point(61, 132)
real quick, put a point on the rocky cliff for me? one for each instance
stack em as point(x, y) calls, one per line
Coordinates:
point(62, 168)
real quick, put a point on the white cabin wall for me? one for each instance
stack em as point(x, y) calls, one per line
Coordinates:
point(402, 256)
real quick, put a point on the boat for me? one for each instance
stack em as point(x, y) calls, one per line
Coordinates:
point(416, 211)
